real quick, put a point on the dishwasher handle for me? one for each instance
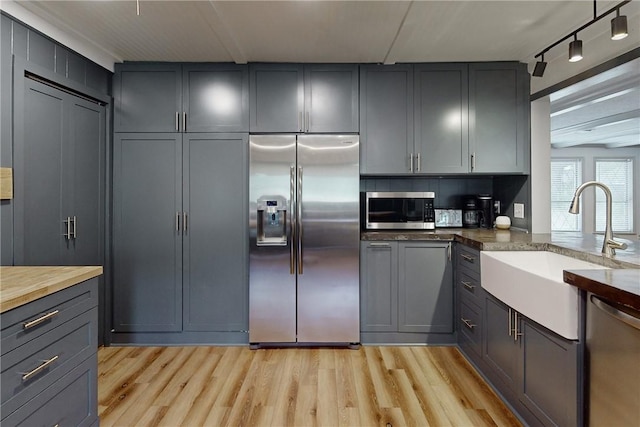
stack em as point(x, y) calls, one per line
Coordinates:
point(623, 314)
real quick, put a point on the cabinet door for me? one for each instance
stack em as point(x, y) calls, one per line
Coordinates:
point(41, 137)
point(499, 117)
point(215, 276)
point(379, 287)
point(276, 97)
point(441, 118)
point(147, 97)
point(425, 288)
point(331, 98)
point(500, 350)
point(216, 97)
point(147, 188)
point(86, 181)
point(386, 118)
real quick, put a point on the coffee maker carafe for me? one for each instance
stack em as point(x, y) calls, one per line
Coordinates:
point(485, 211)
point(470, 213)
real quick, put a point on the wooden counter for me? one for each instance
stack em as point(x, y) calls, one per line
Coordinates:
point(621, 286)
point(21, 285)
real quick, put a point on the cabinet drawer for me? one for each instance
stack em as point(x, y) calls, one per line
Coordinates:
point(29, 321)
point(469, 286)
point(468, 258)
point(30, 368)
point(470, 326)
point(72, 401)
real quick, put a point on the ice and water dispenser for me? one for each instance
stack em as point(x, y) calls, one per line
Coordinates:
point(272, 221)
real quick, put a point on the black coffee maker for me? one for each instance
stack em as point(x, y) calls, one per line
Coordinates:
point(486, 213)
point(470, 212)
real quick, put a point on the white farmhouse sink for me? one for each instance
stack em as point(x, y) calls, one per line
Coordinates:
point(531, 283)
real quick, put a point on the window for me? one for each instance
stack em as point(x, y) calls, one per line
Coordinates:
point(617, 174)
point(566, 176)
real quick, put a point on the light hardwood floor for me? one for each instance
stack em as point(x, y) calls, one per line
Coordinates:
point(236, 386)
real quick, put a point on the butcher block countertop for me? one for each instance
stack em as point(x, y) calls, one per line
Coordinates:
point(21, 285)
point(621, 285)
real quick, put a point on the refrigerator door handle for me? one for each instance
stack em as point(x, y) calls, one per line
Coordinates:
point(299, 221)
point(292, 219)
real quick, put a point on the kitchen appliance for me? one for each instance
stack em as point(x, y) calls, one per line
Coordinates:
point(613, 346)
point(470, 213)
point(388, 210)
point(304, 239)
point(448, 218)
point(486, 214)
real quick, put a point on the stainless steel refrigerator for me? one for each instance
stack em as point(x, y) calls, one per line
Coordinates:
point(304, 239)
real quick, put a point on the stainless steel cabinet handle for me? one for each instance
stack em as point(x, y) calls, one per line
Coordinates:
point(468, 285)
point(292, 218)
point(44, 318)
point(473, 161)
point(308, 122)
point(418, 162)
point(67, 223)
point(611, 310)
point(184, 121)
point(185, 223)
point(449, 251)
point(468, 258)
point(39, 369)
point(467, 323)
point(75, 227)
point(300, 231)
point(510, 329)
point(177, 121)
point(516, 334)
point(379, 245)
point(178, 221)
point(411, 162)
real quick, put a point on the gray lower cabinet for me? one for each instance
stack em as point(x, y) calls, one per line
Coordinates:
point(174, 97)
point(180, 235)
point(59, 164)
point(49, 367)
point(315, 98)
point(406, 292)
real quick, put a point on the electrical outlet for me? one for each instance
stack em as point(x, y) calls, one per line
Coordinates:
point(518, 210)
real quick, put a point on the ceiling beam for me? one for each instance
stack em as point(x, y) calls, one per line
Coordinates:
point(591, 124)
point(216, 22)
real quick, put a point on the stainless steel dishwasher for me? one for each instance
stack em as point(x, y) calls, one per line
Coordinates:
point(613, 361)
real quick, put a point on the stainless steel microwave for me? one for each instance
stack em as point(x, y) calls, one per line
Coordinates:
point(389, 210)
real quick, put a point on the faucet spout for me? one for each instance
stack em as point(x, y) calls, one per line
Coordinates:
point(609, 245)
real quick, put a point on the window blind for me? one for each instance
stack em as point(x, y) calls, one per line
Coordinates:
point(566, 175)
point(617, 174)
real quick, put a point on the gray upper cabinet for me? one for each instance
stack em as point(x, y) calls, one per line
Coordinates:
point(148, 97)
point(215, 234)
point(425, 287)
point(169, 97)
point(386, 118)
point(314, 98)
point(379, 286)
point(58, 210)
point(499, 136)
point(441, 119)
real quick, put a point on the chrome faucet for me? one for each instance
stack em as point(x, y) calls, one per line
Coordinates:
point(609, 245)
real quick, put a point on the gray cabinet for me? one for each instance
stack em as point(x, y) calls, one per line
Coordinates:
point(386, 118)
point(499, 134)
point(406, 291)
point(49, 367)
point(59, 178)
point(441, 122)
point(180, 258)
point(170, 97)
point(314, 98)
point(469, 302)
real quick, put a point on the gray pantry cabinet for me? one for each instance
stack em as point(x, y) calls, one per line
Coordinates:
point(467, 118)
point(59, 158)
point(406, 291)
point(49, 359)
point(174, 97)
point(313, 98)
point(180, 256)
point(534, 369)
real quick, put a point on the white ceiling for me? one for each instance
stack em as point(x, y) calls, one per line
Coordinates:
point(367, 32)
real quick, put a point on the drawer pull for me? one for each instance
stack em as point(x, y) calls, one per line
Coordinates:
point(40, 319)
point(468, 323)
point(468, 258)
point(37, 370)
point(468, 285)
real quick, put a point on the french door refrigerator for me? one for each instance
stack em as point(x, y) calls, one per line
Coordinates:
point(304, 239)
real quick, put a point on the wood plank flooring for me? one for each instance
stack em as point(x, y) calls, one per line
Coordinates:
point(236, 386)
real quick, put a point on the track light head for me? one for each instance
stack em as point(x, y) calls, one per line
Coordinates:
point(538, 70)
point(575, 49)
point(619, 27)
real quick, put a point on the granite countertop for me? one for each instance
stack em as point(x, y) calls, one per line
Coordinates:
point(21, 285)
point(618, 285)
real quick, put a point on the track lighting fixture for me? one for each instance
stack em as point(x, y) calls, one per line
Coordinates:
point(575, 49)
point(619, 26)
point(618, 32)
